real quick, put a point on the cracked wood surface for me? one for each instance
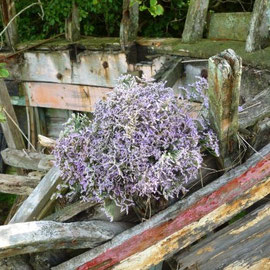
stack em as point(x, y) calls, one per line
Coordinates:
point(16, 184)
point(243, 245)
point(37, 236)
point(39, 198)
point(186, 221)
point(27, 160)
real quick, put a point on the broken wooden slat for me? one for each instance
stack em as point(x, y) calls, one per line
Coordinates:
point(129, 23)
point(38, 199)
point(184, 222)
point(224, 76)
point(195, 21)
point(171, 74)
point(12, 135)
point(27, 160)
point(16, 184)
point(8, 11)
point(46, 142)
point(245, 242)
point(255, 109)
point(72, 24)
point(70, 211)
point(64, 96)
point(37, 236)
point(258, 36)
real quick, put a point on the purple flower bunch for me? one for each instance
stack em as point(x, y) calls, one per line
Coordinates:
point(141, 142)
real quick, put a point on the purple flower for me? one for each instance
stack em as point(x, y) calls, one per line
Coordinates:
point(141, 142)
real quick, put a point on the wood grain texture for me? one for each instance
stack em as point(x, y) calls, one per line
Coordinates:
point(246, 242)
point(37, 236)
point(183, 223)
point(70, 211)
point(224, 77)
point(16, 184)
point(12, 135)
point(38, 199)
point(258, 36)
point(27, 160)
point(195, 20)
point(65, 96)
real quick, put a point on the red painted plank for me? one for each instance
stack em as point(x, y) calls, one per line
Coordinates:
point(205, 205)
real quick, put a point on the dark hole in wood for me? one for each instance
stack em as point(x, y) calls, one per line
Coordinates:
point(59, 76)
point(105, 64)
point(74, 50)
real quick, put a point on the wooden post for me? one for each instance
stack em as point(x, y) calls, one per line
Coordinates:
point(195, 20)
point(129, 24)
point(72, 24)
point(8, 11)
point(12, 135)
point(224, 77)
point(259, 31)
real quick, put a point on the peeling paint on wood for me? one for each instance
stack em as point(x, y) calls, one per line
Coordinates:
point(89, 69)
point(65, 96)
point(183, 223)
point(241, 244)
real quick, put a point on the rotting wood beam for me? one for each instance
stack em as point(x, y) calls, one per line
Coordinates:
point(39, 198)
point(70, 211)
point(195, 21)
point(8, 11)
point(181, 224)
point(72, 24)
point(259, 30)
point(129, 23)
point(12, 135)
point(224, 78)
point(17, 184)
point(37, 236)
point(27, 160)
point(233, 247)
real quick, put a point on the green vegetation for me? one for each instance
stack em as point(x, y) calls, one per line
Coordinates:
point(101, 18)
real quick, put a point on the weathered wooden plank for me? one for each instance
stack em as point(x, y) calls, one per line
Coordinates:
point(70, 211)
point(258, 36)
point(245, 242)
point(195, 21)
point(255, 109)
point(8, 11)
point(27, 160)
point(183, 223)
point(41, 195)
point(16, 184)
point(72, 24)
point(171, 72)
point(12, 135)
point(46, 142)
point(224, 77)
point(37, 236)
point(129, 23)
point(234, 25)
point(99, 68)
point(64, 96)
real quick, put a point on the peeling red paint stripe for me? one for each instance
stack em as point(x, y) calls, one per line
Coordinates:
point(204, 206)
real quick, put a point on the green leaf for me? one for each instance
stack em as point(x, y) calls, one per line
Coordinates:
point(4, 73)
point(159, 10)
point(153, 3)
point(2, 117)
point(95, 2)
point(143, 7)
